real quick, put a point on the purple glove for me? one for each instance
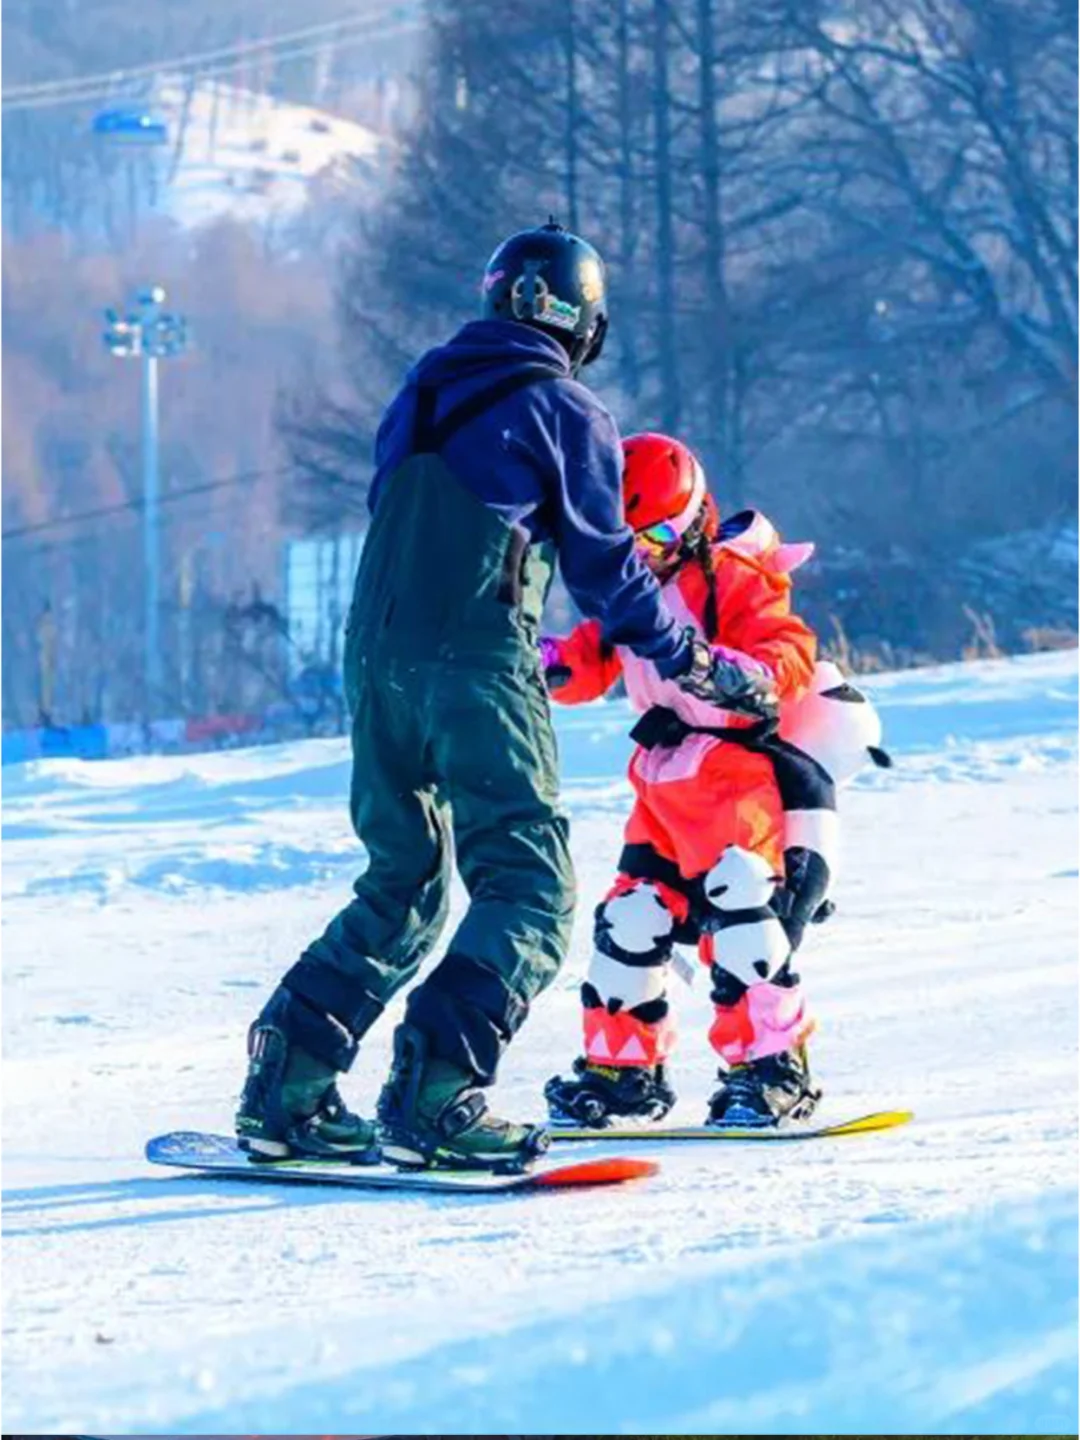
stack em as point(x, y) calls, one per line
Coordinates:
point(731, 680)
point(555, 672)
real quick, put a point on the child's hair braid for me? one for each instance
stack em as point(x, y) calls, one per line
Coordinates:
point(704, 556)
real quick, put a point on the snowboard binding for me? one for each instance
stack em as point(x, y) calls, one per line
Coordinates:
point(291, 1107)
point(599, 1094)
point(764, 1094)
point(432, 1113)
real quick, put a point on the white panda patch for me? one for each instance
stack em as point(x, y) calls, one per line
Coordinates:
point(638, 920)
point(752, 952)
point(631, 985)
point(740, 880)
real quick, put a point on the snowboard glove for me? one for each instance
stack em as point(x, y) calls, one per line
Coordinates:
point(731, 680)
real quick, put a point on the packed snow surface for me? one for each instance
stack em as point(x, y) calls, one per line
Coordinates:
point(921, 1281)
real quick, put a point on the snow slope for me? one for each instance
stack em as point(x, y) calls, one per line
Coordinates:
point(923, 1281)
point(252, 156)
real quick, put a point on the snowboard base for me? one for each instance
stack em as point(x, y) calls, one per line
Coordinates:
point(220, 1155)
point(859, 1125)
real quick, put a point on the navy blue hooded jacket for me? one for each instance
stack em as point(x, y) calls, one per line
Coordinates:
point(548, 458)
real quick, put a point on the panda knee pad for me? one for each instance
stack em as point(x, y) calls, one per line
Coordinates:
point(748, 940)
point(740, 880)
point(633, 939)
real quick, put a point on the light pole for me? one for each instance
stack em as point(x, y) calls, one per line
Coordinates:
point(152, 334)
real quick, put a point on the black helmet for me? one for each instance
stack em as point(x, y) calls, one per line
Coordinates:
point(552, 280)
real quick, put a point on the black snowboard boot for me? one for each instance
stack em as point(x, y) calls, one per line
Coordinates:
point(599, 1094)
point(290, 1104)
point(432, 1113)
point(764, 1093)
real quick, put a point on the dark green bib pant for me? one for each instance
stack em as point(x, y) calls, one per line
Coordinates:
point(453, 760)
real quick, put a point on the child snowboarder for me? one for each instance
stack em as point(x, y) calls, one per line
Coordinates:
point(733, 832)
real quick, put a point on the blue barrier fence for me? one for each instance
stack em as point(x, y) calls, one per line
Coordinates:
point(206, 732)
point(84, 742)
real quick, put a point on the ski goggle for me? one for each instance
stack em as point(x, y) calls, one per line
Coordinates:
point(664, 535)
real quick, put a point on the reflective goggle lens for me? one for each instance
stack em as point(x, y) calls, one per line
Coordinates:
point(661, 536)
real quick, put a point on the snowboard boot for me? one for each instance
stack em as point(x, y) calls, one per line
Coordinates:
point(764, 1093)
point(432, 1113)
point(601, 1093)
point(290, 1106)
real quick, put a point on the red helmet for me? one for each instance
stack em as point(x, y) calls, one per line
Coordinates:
point(664, 490)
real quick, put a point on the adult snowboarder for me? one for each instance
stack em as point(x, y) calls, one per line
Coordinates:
point(491, 461)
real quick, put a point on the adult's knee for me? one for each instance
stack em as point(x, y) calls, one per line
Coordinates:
point(526, 864)
point(398, 916)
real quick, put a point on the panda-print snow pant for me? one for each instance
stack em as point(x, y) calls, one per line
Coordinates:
point(702, 859)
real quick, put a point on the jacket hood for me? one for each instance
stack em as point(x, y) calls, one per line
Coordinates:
point(488, 345)
point(752, 534)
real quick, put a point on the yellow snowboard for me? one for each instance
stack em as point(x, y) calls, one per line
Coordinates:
point(860, 1125)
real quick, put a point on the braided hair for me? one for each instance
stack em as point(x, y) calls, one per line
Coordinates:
point(697, 545)
point(704, 556)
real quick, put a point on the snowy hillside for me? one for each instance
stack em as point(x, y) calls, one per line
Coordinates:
point(922, 1281)
point(246, 154)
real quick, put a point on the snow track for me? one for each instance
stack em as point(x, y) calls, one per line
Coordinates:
point(922, 1281)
